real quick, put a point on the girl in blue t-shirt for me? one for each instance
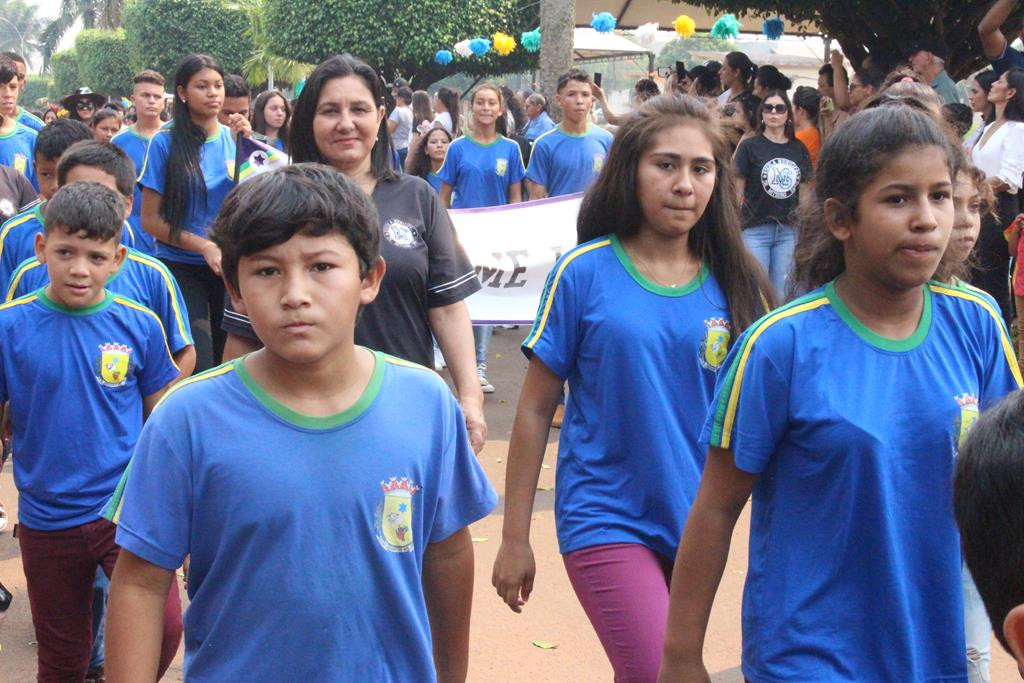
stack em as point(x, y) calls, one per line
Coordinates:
point(483, 168)
point(187, 173)
point(427, 156)
point(638, 320)
point(270, 116)
point(841, 412)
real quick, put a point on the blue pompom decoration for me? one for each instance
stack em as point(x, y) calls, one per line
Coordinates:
point(480, 46)
point(603, 22)
point(443, 57)
point(773, 28)
point(726, 28)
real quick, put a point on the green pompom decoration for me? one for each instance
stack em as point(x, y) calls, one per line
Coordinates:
point(530, 40)
point(726, 28)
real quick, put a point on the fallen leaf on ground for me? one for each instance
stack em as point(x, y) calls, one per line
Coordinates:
point(544, 488)
point(544, 645)
point(480, 539)
point(547, 467)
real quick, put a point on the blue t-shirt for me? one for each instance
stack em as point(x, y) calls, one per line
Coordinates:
point(540, 125)
point(141, 278)
point(278, 143)
point(135, 146)
point(854, 570)
point(75, 379)
point(17, 150)
point(435, 181)
point(217, 161)
point(633, 352)
point(306, 534)
point(480, 175)
point(30, 120)
point(18, 239)
point(565, 163)
point(1010, 59)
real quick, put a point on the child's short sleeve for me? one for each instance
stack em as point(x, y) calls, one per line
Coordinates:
point(539, 170)
point(1002, 374)
point(555, 336)
point(465, 495)
point(741, 162)
point(154, 165)
point(154, 512)
point(517, 170)
point(449, 171)
point(157, 369)
point(168, 303)
point(750, 411)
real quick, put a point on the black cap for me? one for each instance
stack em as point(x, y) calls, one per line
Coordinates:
point(937, 46)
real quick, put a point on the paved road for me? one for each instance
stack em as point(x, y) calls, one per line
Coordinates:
point(502, 648)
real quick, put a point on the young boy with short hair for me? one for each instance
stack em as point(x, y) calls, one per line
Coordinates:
point(81, 368)
point(16, 140)
point(109, 166)
point(20, 114)
point(987, 494)
point(148, 98)
point(326, 524)
point(569, 157)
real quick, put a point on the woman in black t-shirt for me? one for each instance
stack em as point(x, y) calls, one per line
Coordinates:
point(772, 171)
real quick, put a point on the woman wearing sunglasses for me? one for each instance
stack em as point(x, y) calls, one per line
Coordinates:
point(772, 171)
point(83, 104)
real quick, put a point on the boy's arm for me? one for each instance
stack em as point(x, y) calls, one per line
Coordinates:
point(149, 402)
point(135, 619)
point(185, 359)
point(448, 590)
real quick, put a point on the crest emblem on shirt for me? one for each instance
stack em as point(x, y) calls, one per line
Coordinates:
point(715, 346)
point(20, 163)
point(968, 415)
point(780, 178)
point(7, 208)
point(501, 166)
point(115, 364)
point(394, 515)
point(598, 162)
point(400, 233)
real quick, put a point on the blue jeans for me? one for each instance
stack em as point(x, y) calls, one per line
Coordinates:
point(772, 245)
point(100, 588)
point(977, 630)
point(482, 337)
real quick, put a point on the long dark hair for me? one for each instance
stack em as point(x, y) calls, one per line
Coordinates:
point(302, 143)
point(1015, 105)
point(184, 175)
point(985, 79)
point(741, 62)
point(259, 120)
point(611, 204)
point(852, 157)
point(450, 99)
point(790, 133)
point(422, 109)
point(418, 163)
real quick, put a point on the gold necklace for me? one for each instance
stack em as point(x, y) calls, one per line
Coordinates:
point(648, 271)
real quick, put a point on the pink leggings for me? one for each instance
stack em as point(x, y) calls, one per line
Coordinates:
point(623, 588)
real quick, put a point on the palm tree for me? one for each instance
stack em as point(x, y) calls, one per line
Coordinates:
point(19, 26)
point(93, 13)
point(264, 65)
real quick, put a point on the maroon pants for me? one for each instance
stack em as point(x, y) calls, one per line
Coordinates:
point(60, 567)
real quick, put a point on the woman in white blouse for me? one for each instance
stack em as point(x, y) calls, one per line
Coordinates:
point(999, 152)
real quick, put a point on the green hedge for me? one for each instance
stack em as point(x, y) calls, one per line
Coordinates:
point(102, 63)
point(65, 73)
point(161, 32)
point(36, 88)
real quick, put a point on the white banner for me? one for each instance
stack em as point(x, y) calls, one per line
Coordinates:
point(513, 249)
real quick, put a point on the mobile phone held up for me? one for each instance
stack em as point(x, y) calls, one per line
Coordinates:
point(597, 79)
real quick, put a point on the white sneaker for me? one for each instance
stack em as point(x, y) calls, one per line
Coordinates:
point(485, 386)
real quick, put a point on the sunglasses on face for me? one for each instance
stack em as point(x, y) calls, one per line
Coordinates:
point(86, 106)
point(774, 109)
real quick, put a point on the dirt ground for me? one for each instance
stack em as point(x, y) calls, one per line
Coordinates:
point(502, 642)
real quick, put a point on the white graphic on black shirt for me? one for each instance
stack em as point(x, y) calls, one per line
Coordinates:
point(400, 233)
point(780, 178)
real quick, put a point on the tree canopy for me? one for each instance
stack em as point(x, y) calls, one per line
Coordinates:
point(885, 26)
point(401, 38)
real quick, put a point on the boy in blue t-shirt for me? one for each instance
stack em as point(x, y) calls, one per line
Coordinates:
point(290, 472)
point(74, 346)
point(568, 158)
point(10, 108)
point(88, 159)
point(16, 140)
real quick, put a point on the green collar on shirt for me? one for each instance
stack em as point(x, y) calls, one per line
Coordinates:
point(877, 340)
point(653, 287)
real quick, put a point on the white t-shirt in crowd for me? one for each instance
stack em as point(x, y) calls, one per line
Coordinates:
point(403, 132)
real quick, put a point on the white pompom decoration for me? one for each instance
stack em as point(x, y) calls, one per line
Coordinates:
point(462, 48)
point(646, 33)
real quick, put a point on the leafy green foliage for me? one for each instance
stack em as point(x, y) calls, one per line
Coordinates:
point(400, 38)
point(36, 88)
point(101, 61)
point(65, 73)
point(682, 50)
point(885, 26)
point(20, 26)
point(161, 32)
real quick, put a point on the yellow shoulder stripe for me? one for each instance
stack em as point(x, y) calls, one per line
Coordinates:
point(131, 304)
point(16, 278)
point(166, 277)
point(17, 302)
point(554, 286)
point(10, 225)
point(209, 374)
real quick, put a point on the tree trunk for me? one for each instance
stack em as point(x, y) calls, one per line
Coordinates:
point(556, 25)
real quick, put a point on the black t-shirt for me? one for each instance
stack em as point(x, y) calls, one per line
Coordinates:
point(16, 192)
point(773, 173)
point(426, 268)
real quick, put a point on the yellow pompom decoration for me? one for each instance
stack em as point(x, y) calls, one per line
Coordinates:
point(503, 43)
point(684, 26)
